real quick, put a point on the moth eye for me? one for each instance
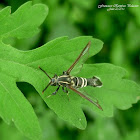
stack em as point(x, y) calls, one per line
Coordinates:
point(53, 80)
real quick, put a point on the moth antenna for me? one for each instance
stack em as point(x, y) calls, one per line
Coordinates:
point(44, 72)
point(46, 87)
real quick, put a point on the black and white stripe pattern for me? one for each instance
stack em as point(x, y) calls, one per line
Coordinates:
point(80, 82)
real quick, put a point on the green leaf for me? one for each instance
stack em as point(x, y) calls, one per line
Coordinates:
point(116, 90)
point(55, 57)
point(13, 133)
point(13, 105)
point(24, 22)
point(132, 135)
point(104, 128)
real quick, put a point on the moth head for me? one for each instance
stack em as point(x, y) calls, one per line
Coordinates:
point(54, 80)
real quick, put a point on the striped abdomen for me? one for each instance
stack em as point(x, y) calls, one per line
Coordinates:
point(80, 82)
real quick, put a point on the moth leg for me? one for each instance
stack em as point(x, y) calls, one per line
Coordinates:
point(54, 93)
point(65, 90)
point(68, 95)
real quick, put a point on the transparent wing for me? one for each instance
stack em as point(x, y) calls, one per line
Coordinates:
point(82, 95)
point(81, 58)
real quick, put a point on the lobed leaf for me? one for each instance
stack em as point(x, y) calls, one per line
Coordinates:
point(116, 90)
point(23, 66)
point(54, 57)
point(24, 22)
point(13, 105)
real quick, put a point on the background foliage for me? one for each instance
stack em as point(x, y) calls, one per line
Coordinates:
point(121, 47)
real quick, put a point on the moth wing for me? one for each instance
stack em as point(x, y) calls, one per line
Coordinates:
point(77, 65)
point(85, 97)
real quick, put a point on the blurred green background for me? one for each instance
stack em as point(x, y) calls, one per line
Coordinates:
point(120, 32)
